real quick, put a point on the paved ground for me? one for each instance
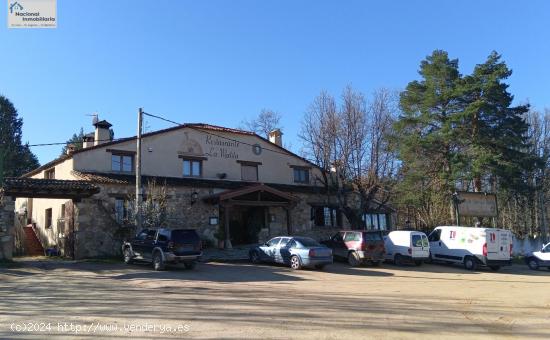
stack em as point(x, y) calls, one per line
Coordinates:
point(237, 300)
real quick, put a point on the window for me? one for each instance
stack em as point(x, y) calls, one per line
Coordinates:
point(192, 168)
point(62, 211)
point(327, 217)
point(142, 234)
point(373, 236)
point(249, 172)
point(376, 221)
point(352, 237)
point(435, 235)
point(273, 242)
point(49, 174)
point(301, 175)
point(122, 163)
point(151, 235)
point(284, 242)
point(121, 210)
point(48, 218)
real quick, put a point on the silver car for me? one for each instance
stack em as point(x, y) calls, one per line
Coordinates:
point(297, 252)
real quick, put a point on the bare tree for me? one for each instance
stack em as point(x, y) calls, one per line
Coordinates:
point(350, 145)
point(154, 209)
point(267, 121)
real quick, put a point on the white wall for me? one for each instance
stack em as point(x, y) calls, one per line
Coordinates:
point(160, 156)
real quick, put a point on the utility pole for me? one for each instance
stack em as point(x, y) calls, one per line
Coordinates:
point(139, 193)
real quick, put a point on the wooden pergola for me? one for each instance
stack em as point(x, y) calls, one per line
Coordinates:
point(259, 195)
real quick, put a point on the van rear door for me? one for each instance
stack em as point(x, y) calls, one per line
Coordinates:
point(498, 244)
point(419, 245)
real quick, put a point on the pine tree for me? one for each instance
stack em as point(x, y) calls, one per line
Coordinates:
point(15, 158)
point(493, 133)
point(425, 131)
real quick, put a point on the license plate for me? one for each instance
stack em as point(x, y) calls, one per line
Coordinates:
point(186, 247)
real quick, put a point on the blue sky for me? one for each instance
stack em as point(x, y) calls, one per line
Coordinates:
point(222, 61)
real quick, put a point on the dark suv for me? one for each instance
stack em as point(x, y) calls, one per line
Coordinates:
point(162, 246)
point(357, 246)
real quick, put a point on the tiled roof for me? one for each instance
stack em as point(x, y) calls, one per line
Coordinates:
point(48, 188)
point(107, 178)
point(198, 126)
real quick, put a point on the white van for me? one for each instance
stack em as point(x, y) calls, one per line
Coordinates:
point(471, 246)
point(405, 245)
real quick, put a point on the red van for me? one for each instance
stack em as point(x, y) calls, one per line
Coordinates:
point(357, 246)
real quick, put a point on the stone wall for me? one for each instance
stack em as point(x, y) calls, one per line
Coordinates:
point(98, 234)
point(7, 230)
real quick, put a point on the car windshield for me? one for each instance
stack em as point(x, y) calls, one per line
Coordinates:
point(307, 242)
point(373, 236)
point(180, 236)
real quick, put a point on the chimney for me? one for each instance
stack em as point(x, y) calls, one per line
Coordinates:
point(70, 149)
point(102, 133)
point(88, 140)
point(276, 137)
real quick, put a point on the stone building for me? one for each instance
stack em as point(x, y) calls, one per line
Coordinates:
point(219, 181)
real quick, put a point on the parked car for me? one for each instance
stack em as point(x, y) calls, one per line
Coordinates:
point(162, 246)
point(471, 247)
point(357, 246)
point(297, 252)
point(539, 258)
point(404, 245)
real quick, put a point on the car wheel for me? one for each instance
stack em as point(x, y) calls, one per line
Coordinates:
point(398, 260)
point(295, 262)
point(470, 263)
point(127, 255)
point(319, 266)
point(190, 265)
point(418, 263)
point(158, 262)
point(533, 263)
point(494, 268)
point(254, 257)
point(353, 259)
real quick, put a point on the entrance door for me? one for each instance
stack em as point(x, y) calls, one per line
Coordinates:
point(245, 223)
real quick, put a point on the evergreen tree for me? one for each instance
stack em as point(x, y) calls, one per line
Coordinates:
point(77, 140)
point(493, 133)
point(15, 158)
point(425, 131)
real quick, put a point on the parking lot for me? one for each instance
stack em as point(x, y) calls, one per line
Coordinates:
point(239, 300)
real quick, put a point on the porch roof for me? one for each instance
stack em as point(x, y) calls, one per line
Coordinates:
point(47, 188)
point(259, 194)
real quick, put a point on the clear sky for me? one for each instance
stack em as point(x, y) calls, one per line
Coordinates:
point(221, 61)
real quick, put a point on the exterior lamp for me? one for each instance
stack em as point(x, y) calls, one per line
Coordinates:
point(194, 197)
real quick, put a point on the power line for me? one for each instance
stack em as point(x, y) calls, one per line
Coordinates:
point(63, 143)
point(219, 136)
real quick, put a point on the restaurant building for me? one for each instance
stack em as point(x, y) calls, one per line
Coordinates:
point(217, 180)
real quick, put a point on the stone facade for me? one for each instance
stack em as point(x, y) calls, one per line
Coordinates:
point(7, 230)
point(98, 234)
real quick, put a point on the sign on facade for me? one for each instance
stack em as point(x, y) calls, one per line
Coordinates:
point(477, 204)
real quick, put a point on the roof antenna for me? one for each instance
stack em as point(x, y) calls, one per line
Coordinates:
point(95, 119)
